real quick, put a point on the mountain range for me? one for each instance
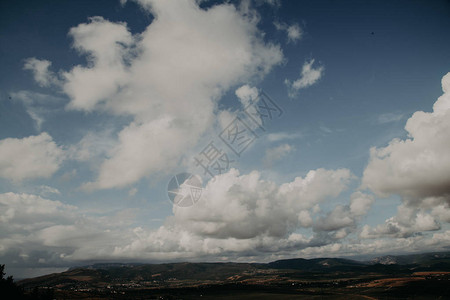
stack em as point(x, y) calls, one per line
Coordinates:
point(401, 273)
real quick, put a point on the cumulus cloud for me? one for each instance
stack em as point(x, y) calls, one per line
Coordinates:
point(31, 157)
point(40, 233)
point(261, 218)
point(260, 206)
point(406, 223)
point(343, 218)
point(418, 167)
point(419, 243)
point(41, 73)
point(238, 214)
point(238, 217)
point(168, 79)
point(243, 213)
point(440, 209)
point(308, 77)
point(31, 212)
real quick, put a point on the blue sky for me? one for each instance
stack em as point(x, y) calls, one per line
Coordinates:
point(102, 103)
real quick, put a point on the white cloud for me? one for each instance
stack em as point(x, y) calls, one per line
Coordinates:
point(237, 215)
point(45, 190)
point(274, 154)
point(441, 210)
point(93, 147)
point(360, 203)
point(280, 136)
point(380, 246)
point(233, 201)
point(168, 79)
point(31, 157)
point(417, 167)
point(275, 3)
point(37, 105)
point(42, 75)
point(294, 32)
point(389, 118)
point(105, 44)
point(343, 218)
point(336, 219)
point(242, 213)
point(25, 214)
point(225, 117)
point(406, 223)
point(138, 153)
point(35, 229)
point(309, 76)
point(247, 95)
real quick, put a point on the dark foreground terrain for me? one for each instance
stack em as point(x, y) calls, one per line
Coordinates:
point(424, 276)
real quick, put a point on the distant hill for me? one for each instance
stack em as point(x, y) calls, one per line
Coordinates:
point(423, 260)
point(122, 276)
point(144, 272)
point(316, 264)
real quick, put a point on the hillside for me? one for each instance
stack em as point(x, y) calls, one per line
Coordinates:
point(421, 274)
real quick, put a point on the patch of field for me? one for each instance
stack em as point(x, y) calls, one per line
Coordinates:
point(270, 296)
point(81, 278)
point(430, 273)
point(390, 282)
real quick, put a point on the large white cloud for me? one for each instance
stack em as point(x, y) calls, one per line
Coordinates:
point(240, 217)
point(41, 233)
point(30, 157)
point(408, 222)
point(417, 167)
point(31, 213)
point(168, 78)
point(237, 215)
point(242, 213)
